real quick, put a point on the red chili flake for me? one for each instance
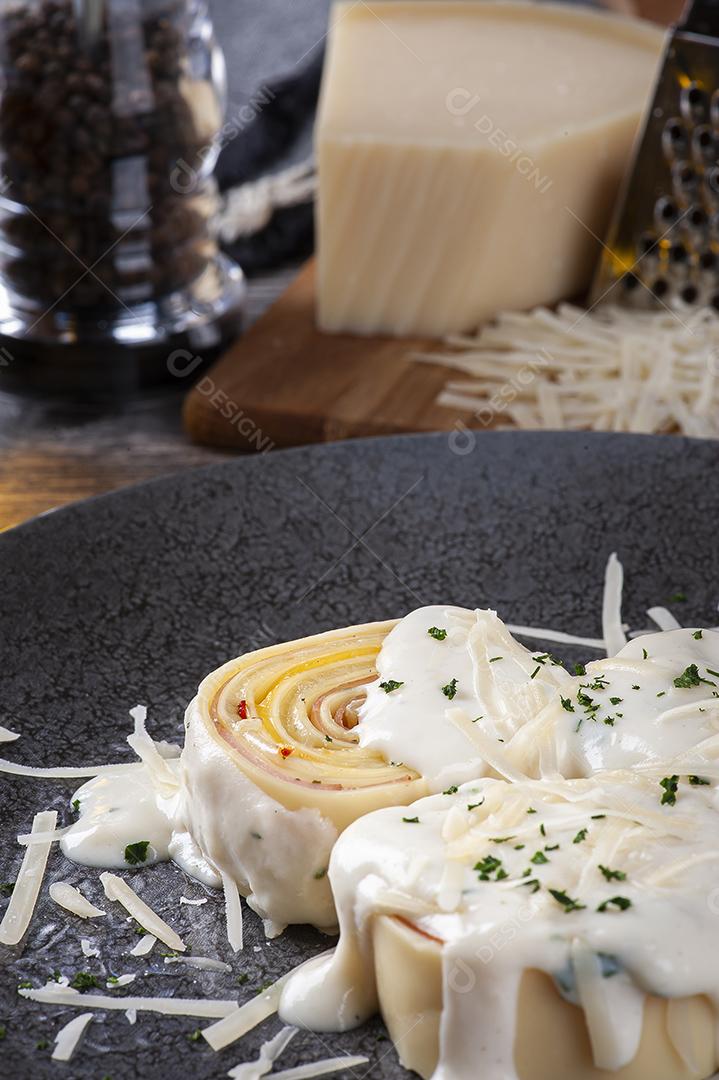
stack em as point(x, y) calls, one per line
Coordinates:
point(286, 751)
point(242, 710)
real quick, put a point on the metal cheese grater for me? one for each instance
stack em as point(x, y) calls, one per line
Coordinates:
point(663, 244)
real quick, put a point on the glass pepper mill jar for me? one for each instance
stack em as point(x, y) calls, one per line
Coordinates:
point(109, 118)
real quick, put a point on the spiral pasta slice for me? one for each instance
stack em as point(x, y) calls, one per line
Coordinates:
point(273, 769)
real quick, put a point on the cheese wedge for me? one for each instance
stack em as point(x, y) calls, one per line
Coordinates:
point(469, 156)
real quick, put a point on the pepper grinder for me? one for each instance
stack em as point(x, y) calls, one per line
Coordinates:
point(110, 117)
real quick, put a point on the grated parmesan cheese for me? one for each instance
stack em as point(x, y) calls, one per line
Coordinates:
point(195, 903)
point(6, 735)
point(612, 629)
point(117, 889)
point(69, 1036)
point(663, 618)
point(62, 773)
point(610, 369)
point(233, 912)
point(204, 963)
point(320, 1068)
point(145, 945)
point(70, 898)
point(205, 1008)
point(269, 1052)
point(247, 1017)
point(120, 980)
point(88, 949)
point(20, 910)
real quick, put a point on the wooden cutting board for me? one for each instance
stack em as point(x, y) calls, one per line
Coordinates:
point(286, 383)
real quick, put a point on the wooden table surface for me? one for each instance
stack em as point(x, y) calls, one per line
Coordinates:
point(52, 453)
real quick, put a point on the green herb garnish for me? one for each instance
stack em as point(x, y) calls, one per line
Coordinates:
point(566, 901)
point(136, 853)
point(670, 785)
point(411, 820)
point(539, 858)
point(451, 790)
point(581, 835)
point(621, 903)
point(83, 980)
point(437, 633)
point(691, 677)
point(697, 635)
point(566, 703)
point(390, 685)
point(486, 866)
point(612, 875)
point(319, 874)
point(698, 780)
point(450, 689)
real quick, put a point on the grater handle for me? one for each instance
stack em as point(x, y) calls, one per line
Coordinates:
point(700, 17)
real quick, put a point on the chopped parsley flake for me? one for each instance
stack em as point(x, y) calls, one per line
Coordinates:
point(616, 700)
point(581, 835)
point(697, 635)
point(411, 820)
point(612, 875)
point(598, 817)
point(488, 865)
point(566, 901)
point(714, 673)
point(579, 669)
point(76, 806)
point(319, 874)
point(390, 685)
point(531, 810)
point(533, 883)
point(195, 1035)
point(542, 830)
point(636, 686)
point(645, 654)
point(83, 980)
point(621, 903)
point(677, 598)
point(474, 805)
point(501, 839)
point(451, 790)
point(450, 689)
point(136, 853)
point(670, 785)
point(551, 847)
point(698, 780)
point(438, 633)
point(535, 672)
point(42, 1044)
point(566, 703)
point(6, 889)
point(493, 659)
point(691, 677)
point(539, 858)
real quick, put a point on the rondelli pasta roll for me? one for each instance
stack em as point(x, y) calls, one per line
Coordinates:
point(287, 746)
point(273, 771)
point(530, 931)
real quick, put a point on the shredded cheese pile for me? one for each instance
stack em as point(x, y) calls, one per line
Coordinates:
point(612, 369)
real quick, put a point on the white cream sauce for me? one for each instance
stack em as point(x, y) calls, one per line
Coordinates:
point(203, 812)
point(627, 712)
point(604, 961)
point(473, 663)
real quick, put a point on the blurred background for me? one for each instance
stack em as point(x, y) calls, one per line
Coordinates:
point(53, 449)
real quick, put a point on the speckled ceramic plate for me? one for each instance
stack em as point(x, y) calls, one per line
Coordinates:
point(133, 597)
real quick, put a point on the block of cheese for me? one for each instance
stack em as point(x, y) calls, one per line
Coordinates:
point(469, 156)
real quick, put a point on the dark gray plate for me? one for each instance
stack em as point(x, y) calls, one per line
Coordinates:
point(135, 596)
